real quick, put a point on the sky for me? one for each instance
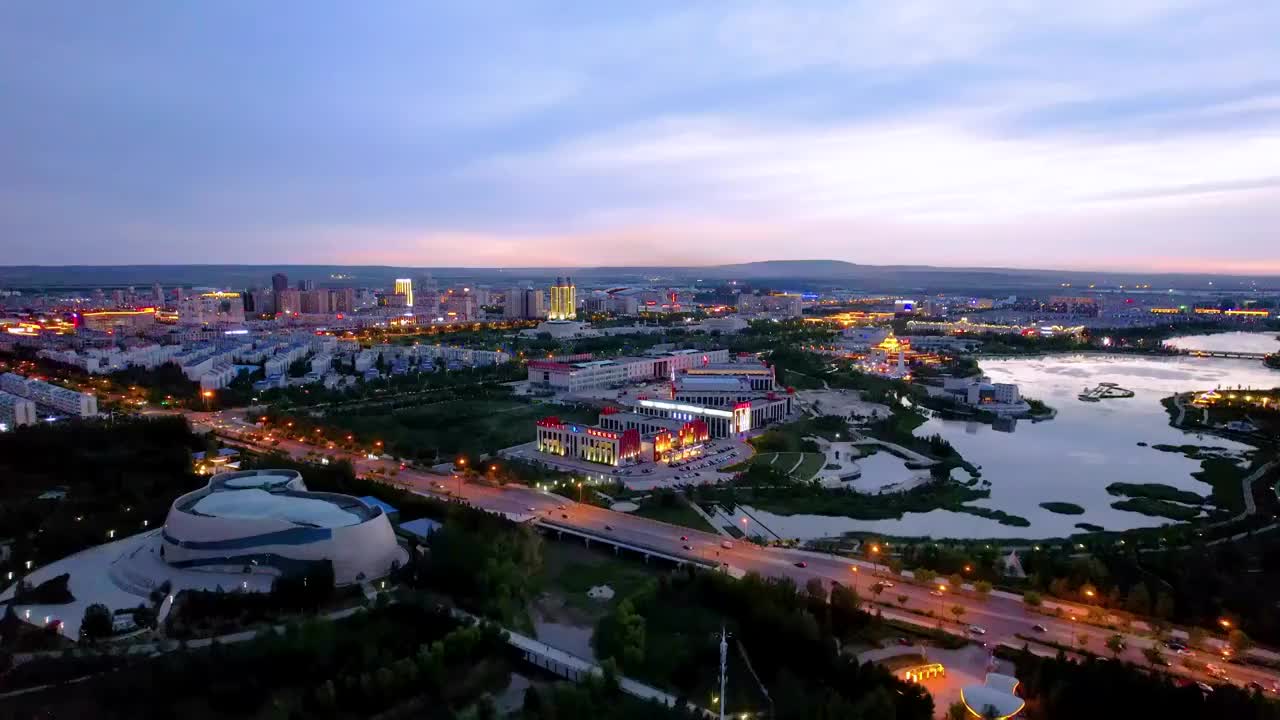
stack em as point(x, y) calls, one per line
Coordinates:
point(1092, 134)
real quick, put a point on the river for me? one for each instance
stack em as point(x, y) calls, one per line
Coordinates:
point(1071, 458)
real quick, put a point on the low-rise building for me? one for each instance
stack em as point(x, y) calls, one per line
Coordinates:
point(595, 374)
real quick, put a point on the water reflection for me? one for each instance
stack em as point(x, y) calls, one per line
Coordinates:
point(1071, 458)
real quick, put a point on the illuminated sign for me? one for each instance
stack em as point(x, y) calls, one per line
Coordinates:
point(679, 407)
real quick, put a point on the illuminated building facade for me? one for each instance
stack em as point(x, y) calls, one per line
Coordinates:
point(111, 321)
point(593, 444)
point(721, 422)
point(564, 300)
point(212, 308)
point(404, 286)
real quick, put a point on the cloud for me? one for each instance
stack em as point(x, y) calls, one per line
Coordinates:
point(998, 132)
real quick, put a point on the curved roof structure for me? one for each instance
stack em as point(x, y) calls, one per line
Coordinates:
point(255, 504)
point(978, 698)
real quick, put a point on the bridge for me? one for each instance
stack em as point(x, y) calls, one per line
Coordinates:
point(616, 544)
point(1236, 354)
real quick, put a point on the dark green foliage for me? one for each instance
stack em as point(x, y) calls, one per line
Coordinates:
point(1058, 689)
point(788, 634)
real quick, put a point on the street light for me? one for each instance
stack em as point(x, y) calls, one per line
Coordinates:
point(942, 592)
point(1225, 623)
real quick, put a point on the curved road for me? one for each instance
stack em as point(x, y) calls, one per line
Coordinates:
point(1002, 617)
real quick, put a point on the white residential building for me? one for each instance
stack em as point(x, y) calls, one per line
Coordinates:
point(48, 395)
point(15, 411)
point(218, 377)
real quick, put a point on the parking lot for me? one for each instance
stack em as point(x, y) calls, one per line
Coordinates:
point(705, 468)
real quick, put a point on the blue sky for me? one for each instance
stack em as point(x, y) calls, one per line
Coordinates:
point(1136, 134)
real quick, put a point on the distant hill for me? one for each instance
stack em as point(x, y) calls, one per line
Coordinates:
point(774, 274)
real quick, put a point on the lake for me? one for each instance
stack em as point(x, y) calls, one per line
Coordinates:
point(1218, 342)
point(1071, 458)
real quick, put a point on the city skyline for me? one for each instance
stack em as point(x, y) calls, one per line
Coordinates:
point(991, 134)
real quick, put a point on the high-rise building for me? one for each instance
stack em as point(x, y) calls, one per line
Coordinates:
point(564, 300)
point(117, 298)
point(404, 286)
point(524, 304)
point(459, 306)
point(344, 300)
point(315, 301)
point(288, 301)
point(279, 282)
point(157, 293)
point(306, 285)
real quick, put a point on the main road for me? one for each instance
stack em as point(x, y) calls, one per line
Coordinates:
point(1002, 617)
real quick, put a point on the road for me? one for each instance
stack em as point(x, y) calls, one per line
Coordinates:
point(1003, 617)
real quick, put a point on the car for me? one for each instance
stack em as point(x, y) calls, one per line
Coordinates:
point(560, 507)
point(1204, 687)
point(564, 515)
point(976, 630)
point(904, 641)
point(726, 544)
point(936, 593)
point(684, 537)
point(1039, 628)
point(802, 564)
point(886, 584)
point(1256, 686)
point(531, 509)
point(609, 528)
point(1183, 651)
point(687, 546)
point(1175, 645)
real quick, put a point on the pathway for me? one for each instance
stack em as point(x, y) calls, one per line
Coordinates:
point(703, 514)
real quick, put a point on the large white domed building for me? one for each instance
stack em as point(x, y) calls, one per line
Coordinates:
point(267, 522)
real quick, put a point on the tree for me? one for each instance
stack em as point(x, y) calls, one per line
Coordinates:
point(1239, 642)
point(1082, 639)
point(1196, 636)
point(1115, 644)
point(958, 611)
point(983, 588)
point(96, 623)
point(621, 635)
point(924, 575)
point(877, 589)
point(957, 711)
point(902, 600)
point(1032, 598)
point(956, 582)
point(1153, 655)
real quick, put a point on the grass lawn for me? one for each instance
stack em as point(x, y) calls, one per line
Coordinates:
point(805, 464)
point(456, 426)
point(810, 465)
point(570, 570)
point(676, 513)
